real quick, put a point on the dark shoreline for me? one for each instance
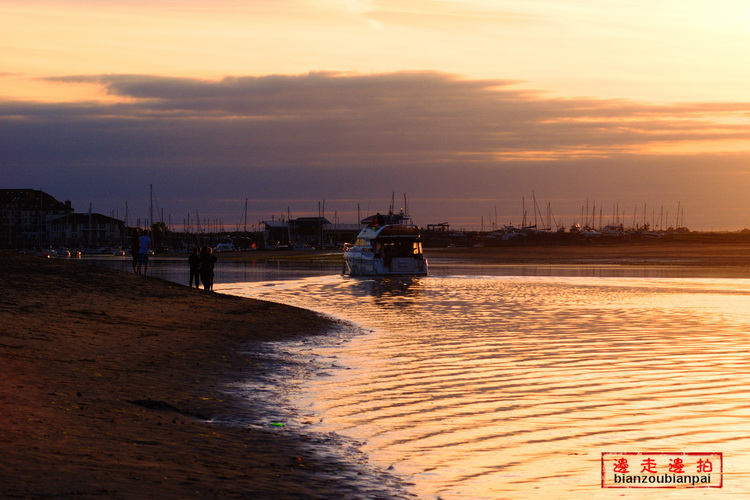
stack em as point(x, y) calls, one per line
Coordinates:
point(693, 259)
point(698, 255)
point(108, 378)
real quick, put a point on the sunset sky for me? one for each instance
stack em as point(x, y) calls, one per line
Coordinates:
point(469, 107)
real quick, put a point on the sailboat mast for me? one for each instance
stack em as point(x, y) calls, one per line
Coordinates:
point(151, 206)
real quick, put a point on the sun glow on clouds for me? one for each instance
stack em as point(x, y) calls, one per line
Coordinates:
point(415, 117)
point(666, 50)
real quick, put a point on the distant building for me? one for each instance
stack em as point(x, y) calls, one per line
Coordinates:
point(86, 230)
point(275, 233)
point(32, 218)
point(24, 214)
point(308, 231)
point(317, 232)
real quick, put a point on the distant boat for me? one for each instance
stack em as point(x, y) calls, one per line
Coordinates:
point(225, 247)
point(386, 247)
point(612, 231)
point(652, 234)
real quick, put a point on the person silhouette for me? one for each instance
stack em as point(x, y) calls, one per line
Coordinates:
point(208, 260)
point(194, 261)
point(135, 245)
point(143, 249)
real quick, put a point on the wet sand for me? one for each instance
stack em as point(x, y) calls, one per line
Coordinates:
point(111, 385)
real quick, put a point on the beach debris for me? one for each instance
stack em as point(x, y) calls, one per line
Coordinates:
point(148, 443)
point(162, 406)
point(277, 424)
point(154, 405)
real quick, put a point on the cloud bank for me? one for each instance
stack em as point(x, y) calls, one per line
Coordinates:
point(459, 148)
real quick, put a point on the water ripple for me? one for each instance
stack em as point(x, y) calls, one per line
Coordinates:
point(511, 387)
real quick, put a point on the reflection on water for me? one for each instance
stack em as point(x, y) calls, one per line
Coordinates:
point(512, 386)
point(175, 268)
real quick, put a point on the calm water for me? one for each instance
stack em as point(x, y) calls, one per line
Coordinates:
point(511, 387)
point(477, 383)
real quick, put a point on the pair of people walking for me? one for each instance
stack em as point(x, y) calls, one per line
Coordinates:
point(202, 262)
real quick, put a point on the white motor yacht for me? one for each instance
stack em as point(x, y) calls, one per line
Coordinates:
point(384, 249)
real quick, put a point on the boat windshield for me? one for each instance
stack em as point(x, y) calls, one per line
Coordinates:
point(396, 248)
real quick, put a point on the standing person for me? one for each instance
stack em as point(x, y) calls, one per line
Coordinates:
point(194, 261)
point(143, 249)
point(135, 245)
point(208, 259)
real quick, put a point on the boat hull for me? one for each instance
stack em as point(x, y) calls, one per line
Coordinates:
point(362, 266)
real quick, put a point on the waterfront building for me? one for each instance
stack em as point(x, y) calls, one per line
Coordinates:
point(24, 215)
point(89, 230)
point(31, 218)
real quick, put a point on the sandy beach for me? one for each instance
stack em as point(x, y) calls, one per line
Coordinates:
point(109, 383)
